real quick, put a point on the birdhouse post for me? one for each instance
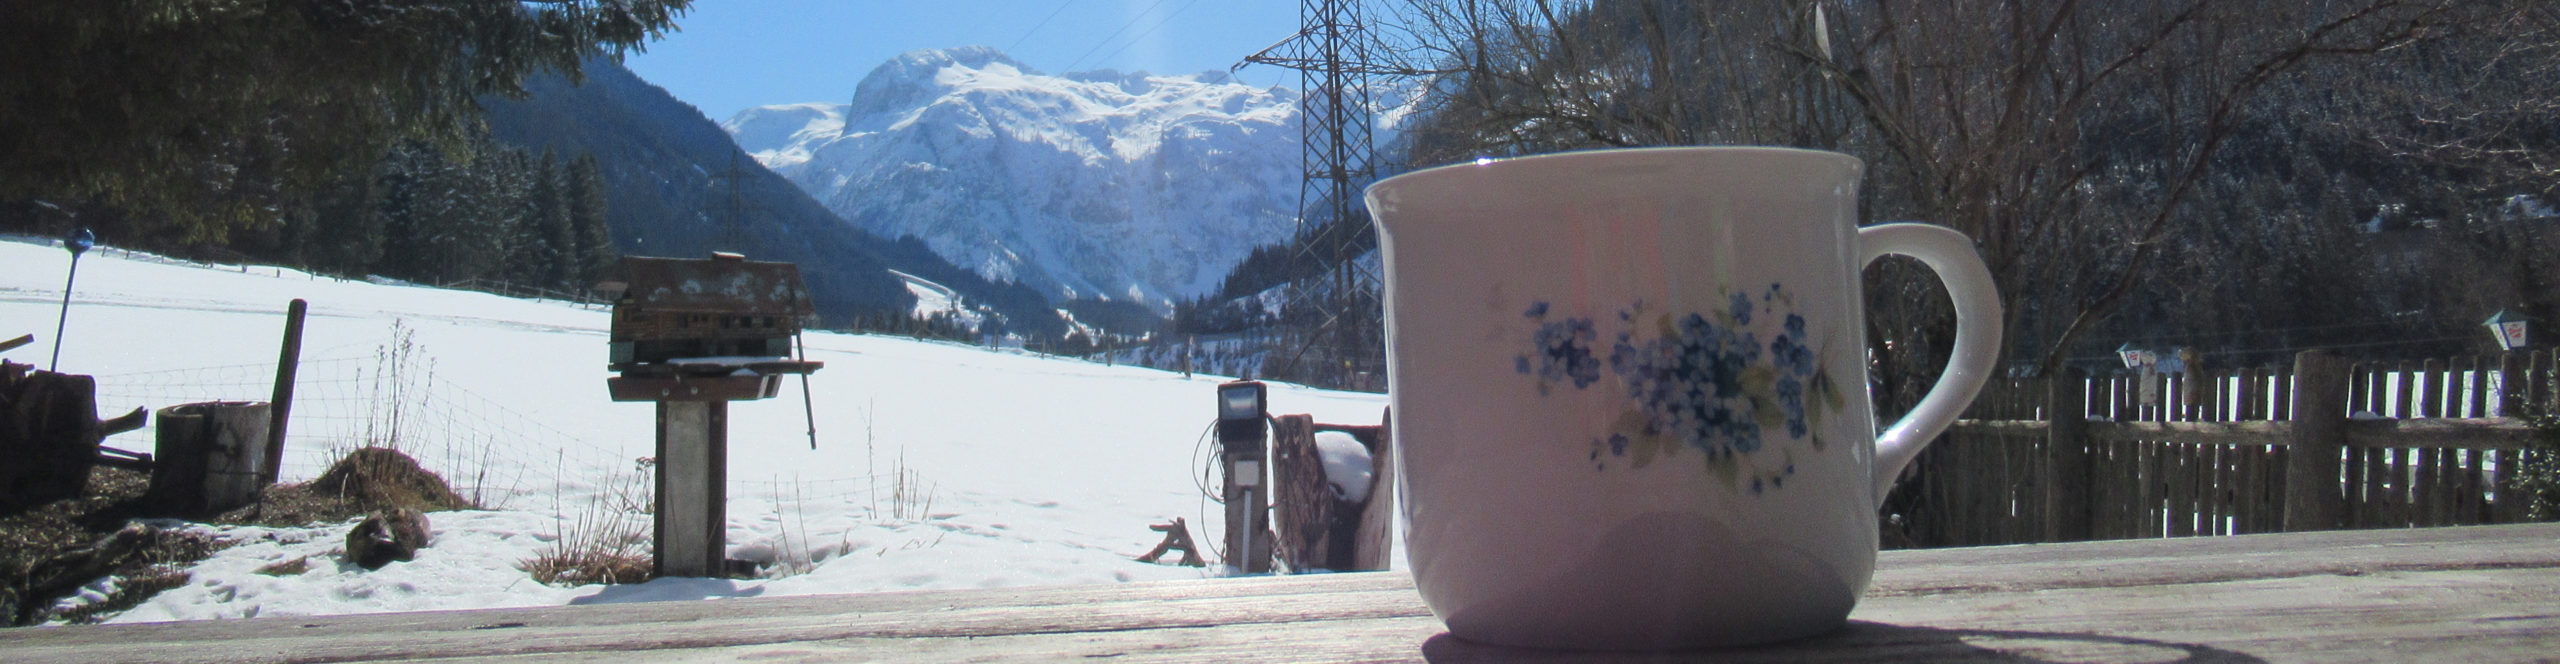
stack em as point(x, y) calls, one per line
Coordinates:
point(693, 335)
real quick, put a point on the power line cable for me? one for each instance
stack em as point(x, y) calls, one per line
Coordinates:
point(1142, 34)
point(1115, 34)
point(1035, 29)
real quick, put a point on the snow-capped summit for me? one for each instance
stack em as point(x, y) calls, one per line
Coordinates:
point(780, 135)
point(1126, 186)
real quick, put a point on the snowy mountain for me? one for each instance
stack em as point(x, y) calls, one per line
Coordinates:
point(1086, 185)
point(680, 187)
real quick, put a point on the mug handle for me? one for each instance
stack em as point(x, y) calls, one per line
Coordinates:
point(1950, 254)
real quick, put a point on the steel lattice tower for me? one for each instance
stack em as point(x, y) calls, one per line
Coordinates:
point(1343, 343)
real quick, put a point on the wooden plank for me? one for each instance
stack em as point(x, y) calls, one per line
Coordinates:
point(2495, 433)
point(2067, 459)
point(2421, 461)
point(2155, 486)
point(2248, 503)
point(2474, 385)
point(2117, 520)
point(2468, 490)
point(2355, 463)
point(2465, 594)
point(690, 529)
point(1375, 549)
point(2395, 461)
point(2312, 501)
point(2180, 484)
point(1302, 504)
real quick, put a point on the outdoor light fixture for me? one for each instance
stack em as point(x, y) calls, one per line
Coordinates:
point(1242, 408)
point(2508, 328)
point(2136, 358)
point(1241, 411)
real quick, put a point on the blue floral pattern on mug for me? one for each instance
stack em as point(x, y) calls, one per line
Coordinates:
point(1698, 381)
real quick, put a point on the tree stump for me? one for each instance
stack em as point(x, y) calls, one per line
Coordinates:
point(211, 457)
point(49, 435)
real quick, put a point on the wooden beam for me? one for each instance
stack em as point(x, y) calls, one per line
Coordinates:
point(2209, 433)
point(2067, 458)
point(1375, 549)
point(690, 538)
point(2486, 433)
point(2443, 594)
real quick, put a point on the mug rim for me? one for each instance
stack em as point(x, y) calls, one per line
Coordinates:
point(1459, 169)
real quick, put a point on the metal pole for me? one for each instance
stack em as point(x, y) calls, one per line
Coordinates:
point(65, 319)
point(806, 407)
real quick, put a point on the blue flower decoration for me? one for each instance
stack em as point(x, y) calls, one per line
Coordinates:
point(1702, 381)
point(1563, 351)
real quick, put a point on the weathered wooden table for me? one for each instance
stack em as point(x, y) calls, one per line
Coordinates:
point(2473, 594)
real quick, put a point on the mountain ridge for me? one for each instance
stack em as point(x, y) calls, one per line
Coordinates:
point(1095, 184)
point(680, 186)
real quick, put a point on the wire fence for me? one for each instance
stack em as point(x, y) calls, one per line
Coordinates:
point(494, 455)
point(491, 454)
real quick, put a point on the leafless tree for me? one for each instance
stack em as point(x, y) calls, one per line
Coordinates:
point(2073, 139)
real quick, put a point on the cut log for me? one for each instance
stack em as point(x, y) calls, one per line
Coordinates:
point(49, 433)
point(209, 457)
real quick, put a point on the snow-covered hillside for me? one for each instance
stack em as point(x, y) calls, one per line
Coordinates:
point(1088, 184)
point(1017, 469)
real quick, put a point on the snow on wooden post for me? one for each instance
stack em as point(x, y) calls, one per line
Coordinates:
point(1330, 514)
point(693, 335)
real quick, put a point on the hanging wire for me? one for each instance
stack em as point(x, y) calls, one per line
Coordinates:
point(1208, 468)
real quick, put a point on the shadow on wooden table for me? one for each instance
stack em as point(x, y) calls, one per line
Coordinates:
point(1864, 641)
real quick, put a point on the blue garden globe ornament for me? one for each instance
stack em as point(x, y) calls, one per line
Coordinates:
point(79, 240)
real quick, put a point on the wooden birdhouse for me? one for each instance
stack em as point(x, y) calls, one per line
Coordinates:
point(717, 329)
point(694, 335)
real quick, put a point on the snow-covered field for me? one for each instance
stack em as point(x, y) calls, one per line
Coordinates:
point(1016, 469)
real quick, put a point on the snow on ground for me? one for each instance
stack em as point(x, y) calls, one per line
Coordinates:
point(936, 466)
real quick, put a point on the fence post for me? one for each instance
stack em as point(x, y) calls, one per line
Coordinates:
point(2511, 387)
point(280, 408)
point(2313, 496)
point(2066, 458)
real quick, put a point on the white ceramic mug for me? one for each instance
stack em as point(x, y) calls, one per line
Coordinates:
point(1630, 391)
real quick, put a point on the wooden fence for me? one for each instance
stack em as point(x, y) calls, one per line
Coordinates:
point(2323, 444)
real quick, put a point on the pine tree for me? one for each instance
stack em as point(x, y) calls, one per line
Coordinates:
point(595, 253)
point(344, 232)
point(550, 210)
point(189, 119)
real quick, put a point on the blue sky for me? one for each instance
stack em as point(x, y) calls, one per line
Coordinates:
point(733, 54)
